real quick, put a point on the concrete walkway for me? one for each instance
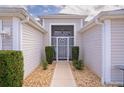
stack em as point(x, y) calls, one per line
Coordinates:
point(63, 76)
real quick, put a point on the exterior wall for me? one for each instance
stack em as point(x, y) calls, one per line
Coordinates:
point(6, 40)
point(32, 47)
point(117, 51)
point(47, 23)
point(92, 49)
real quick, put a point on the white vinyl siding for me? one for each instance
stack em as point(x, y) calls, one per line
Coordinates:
point(92, 49)
point(32, 47)
point(117, 50)
point(7, 40)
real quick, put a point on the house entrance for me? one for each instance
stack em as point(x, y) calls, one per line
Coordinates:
point(62, 41)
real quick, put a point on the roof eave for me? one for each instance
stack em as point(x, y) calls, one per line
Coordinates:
point(101, 17)
point(64, 16)
point(87, 26)
point(22, 14)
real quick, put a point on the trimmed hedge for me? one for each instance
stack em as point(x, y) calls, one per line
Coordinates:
point(11, 68)
point(49, 54)
point(75, 53)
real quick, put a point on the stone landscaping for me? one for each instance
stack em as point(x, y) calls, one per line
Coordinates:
point(85, 78)
point(40, 77)
point(43, 78)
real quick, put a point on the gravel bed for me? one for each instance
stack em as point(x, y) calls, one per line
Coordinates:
point(85, 78)
point(40, 77)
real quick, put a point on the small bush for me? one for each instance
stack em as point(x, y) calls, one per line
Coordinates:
point(11, 68)
point(49, 54)
point(44, 64)
point(75, 53)
point(74, 62)
point(78, 64)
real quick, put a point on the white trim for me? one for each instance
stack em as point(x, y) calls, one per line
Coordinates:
point(67, 49)
point(57, 49)
point(50, 26)
point(62, 24)
point(20, 35)
point(103, 55)
point(60, 37)
point(107, 51)
point(82, 22)
point(16, 29)
point(103, 16)
point(22, 14)
point(0, 35)
point(43, 22)
point(75, 35)
point(64, 16)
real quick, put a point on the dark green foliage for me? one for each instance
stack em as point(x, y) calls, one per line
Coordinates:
point(75, 53)
point(78, 64)
point(82, 63)
point(49, 54)
point(11, 68)
point(74, 62)
point(44, 64)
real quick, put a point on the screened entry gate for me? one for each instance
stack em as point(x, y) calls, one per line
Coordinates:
point(63, 48)
point(63, 41)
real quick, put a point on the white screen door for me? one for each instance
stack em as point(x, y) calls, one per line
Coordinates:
point(62, 40)
point(62, 48)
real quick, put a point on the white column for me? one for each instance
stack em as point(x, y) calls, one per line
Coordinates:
point(0, 35)
point(75, 35)
point(103, 55)
point(81, 23)
point(68, 49)
point(57, 49)
point(50, 34)
point(107, 51)
point(20, 36)
point(15, 31)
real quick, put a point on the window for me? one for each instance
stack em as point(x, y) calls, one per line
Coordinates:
point(62, 30)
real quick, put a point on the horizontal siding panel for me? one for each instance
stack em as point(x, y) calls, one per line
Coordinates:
point(117, 51)
point(32, 46)
point(92, 49)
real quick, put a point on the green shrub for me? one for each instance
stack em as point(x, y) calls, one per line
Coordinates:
point(11, 68)
point(49, 54)
point(44, 64)
point(75, 53)
point(78, 64)
point(74, 62)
